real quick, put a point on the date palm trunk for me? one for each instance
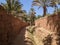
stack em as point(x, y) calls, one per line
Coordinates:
point(44, 10)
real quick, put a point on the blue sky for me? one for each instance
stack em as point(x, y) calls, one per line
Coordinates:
point(27, 5)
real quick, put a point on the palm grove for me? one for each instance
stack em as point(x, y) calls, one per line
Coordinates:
point(14, 7)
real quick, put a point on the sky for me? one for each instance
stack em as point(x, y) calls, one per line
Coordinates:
point(27, 5)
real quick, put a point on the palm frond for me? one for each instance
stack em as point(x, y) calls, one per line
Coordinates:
point(12, 6)
point(36, 4)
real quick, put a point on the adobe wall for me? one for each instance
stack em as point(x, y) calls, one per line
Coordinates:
point(10, 27)
point(50, 23)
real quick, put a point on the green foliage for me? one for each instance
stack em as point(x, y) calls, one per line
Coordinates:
point(32, 16)
point(12, 6)
point(54, 4)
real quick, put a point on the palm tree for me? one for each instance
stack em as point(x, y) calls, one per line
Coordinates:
point(24, 15)
point(54, 3)
point(32, 16)
point(12, 6)
point(42, 3)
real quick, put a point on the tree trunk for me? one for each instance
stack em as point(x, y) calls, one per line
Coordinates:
point(44, 10)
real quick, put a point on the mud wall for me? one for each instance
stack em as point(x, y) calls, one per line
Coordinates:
point(10, 27)
point(50, 23)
